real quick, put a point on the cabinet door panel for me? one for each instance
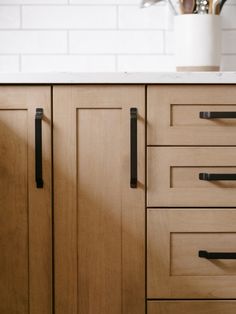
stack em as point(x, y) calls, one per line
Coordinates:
point(173, 115)
point(191, 307)
point(173, 176)
point(99, 219)
point(175, 238)
point(25, 211)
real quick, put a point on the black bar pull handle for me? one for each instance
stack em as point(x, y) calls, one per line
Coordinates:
point(133, 148)
point(38, 148)
point(216, 255)
point(217, 115)
point(217, 176)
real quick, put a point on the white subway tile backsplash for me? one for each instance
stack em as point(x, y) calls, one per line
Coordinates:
point(229, 41)
point(136, 2)
point(117, 42)
point(9, 63)
point(13, 42)
point(132, 17)
point(228, 63)
point(68, 63)
point(229, 17)
point(9, 17)
point(95, 36)
point(33, 2)
point(69, 17)
point(157, 63)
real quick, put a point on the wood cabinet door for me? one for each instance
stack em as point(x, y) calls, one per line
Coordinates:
point(174, 176)
point(191, 115)
point(25, 210)
point(179, 260)
point(99, 218)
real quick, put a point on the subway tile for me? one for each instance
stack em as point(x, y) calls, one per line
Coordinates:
point(146, 63)
point(9, 63)
point(116, 42)
point(229, 16)
point(66, 17)
point(9, 17)
point(229, 41)
point(33, 2)
point(169, 42)
point(33, 42)
point(68, 63)
point(132, 17)
point(228, 63)
point(135, 2)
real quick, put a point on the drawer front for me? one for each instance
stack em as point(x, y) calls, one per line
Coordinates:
point(175, 238)
point(173, 115)
point(192, 307)
point(173, 177)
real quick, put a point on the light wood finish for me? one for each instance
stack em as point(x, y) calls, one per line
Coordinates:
point(198, 69)
point(173, 177)
point(25, 218)
point(99, 219)
point(193, 307)
point(174, 237)
point(173, 115)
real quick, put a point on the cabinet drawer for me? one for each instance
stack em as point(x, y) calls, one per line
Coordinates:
point(175, 238)
point(173, 177)
point(173, 115)
point(192, 307)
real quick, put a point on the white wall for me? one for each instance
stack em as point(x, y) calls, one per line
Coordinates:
point(94, 35)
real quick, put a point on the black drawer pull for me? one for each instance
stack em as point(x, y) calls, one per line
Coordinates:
point(133, 148)
point(38, 148)
point(217, 114)
point(217, 176)
point(216, 255)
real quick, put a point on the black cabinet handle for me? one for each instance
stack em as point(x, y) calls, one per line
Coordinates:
point(217, 114)
point(133, 148)
point(217, 176)
point(216, 255)
point(38, 148)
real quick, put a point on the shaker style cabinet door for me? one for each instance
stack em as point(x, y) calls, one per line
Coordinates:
point(99, 208)
point(25, 205)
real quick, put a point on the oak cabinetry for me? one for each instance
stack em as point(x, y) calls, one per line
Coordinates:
point(186, 175)
point(191, 175)
point(99, 218)
point(25, 218)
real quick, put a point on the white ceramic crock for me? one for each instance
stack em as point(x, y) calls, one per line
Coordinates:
point(198, 42)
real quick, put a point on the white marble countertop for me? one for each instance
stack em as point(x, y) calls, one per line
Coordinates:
point(120, 78)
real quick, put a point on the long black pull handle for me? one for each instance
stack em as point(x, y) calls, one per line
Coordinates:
point(216, 255)
point(38, 149)
point(217, 176)
point(133, 148)
point(217, 114)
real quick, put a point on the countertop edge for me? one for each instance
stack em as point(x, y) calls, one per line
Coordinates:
point(120, 78)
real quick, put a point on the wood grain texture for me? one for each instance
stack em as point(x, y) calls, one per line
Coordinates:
point(99, 220)
point(173, 115)
point(173, 176)
point(163, 280)
point(192, 307)
point(25, 219)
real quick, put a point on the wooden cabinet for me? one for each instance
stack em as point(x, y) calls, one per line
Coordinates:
point(174, 176)
point(99, 218)
point(192, 307)
point(174, 118)
point(191, 180)
point(175, 238)
point(165, 245)
point(25, 218)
